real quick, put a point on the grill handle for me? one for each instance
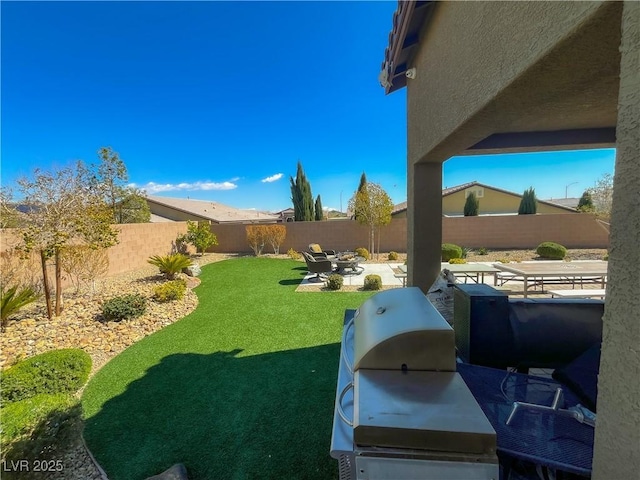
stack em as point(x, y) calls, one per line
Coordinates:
point(345, 333)
point(344, 391)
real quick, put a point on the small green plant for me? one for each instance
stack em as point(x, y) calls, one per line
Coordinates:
point(372, 282)
point(482, 251)
point(393, 256)
point(13, 300)
point(449, 251)
point(465, 251)
point(57, 371)
point(199, 235)
point(294, 254)
point(170, 265)
point(169, 291)
point(335, 281)
point(551, 251)
point(362, 252)
point(503, 260)
point(124, 307)
point(606, 257)
point(457, 261)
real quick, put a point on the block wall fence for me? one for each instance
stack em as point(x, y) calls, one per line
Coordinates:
point(139, 241)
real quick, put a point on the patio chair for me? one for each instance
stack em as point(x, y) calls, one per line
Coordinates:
point(317, 252)
point(319, 266)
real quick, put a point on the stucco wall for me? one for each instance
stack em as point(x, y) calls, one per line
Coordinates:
point(449, 105)
point(617, 441)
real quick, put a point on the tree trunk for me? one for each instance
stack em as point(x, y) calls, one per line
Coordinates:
point(58, 284)
point(378, 256)
point(45, 284)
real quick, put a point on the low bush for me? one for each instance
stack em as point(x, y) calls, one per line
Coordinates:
point(503, 260)
point(482, 251)
point(362, 252)
point(606, 257)
point(39, 429)
point(57, 371)
point(334, 282)
point(124, 307)
point(13, 300)
point(169, 291)
point(551, 251)
point(22, 416)
point(457, 261)
point(293, 254)
point(449, 251)
point(465, 251)
point(372, 282)
point(393, 256)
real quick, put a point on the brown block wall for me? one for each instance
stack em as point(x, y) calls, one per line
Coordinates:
point(139, 241)
point(525, 231)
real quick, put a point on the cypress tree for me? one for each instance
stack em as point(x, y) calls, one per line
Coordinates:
point(319, 211)
point(529, 203)
point(361, 188)
point(471, 205)
point(301, 196)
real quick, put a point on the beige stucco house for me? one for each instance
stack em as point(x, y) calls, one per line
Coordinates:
point(492, 201)
point(492, 77)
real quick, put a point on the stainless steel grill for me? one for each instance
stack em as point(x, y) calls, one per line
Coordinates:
point(402, 411)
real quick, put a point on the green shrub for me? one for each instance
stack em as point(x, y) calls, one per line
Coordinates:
point(124, 307)
point(457, 261)
point(482, 251)
point(169, 291)
point(57, 371)
point(334, 282)
point(22, 416)
point(606, 257)
point(449, 251)
point(393, 256)
point(362, 252)
point(293, 254)
point(551, 250)
point(465, 251)
point(39, 428)
point(170, 265)
point(372, 282)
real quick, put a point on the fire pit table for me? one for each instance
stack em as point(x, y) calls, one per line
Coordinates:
point(347, 260)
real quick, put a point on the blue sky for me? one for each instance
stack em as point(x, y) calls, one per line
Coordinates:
point(219, 100)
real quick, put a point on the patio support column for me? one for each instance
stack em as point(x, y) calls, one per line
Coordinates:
point(617, 435)
point(424, 225)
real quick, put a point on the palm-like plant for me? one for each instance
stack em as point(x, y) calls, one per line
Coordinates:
point(170, 265)
point(13, 300)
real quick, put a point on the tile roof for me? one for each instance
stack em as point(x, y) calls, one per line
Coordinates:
point(404, 37)
point(214, 211)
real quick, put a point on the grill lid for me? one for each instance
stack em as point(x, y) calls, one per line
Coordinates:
point(400, 329)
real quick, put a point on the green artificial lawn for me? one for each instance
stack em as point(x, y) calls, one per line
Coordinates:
point(243, 388)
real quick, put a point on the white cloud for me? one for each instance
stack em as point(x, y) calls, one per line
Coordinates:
point(272, 178)
point(152, 187)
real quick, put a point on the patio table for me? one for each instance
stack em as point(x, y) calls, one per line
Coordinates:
point(473, 271)
point(569, 271)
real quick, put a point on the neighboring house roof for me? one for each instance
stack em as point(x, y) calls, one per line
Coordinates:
point(214, 211)
point(400, 207)
point(404, 37)
point(571, 202)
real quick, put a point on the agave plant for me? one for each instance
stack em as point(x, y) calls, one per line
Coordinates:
point(170, 265)
point(13, 300)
